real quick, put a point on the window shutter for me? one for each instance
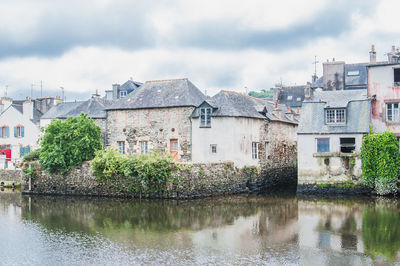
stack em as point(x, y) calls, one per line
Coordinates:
point(15, 132)
point(22, 131)
point(1, 133)
point(7, 132)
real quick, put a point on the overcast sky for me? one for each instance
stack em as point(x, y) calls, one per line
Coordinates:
point(218, 44)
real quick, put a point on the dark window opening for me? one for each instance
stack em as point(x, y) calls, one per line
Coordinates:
point(396, 76)
point(347, 145)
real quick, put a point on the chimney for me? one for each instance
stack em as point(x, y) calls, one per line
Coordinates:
point(308, 92)
point(131, 78)
point(27, 109)
point(115, 91)
point(372, 55)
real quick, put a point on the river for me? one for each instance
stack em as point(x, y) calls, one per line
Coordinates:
point(239, 230)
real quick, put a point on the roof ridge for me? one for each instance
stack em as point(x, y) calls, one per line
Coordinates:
point(165, 80)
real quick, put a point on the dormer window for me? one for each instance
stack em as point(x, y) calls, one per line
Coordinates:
point(335, 116)
point(122, 94)
point(396, 74)
point(205, 117)
point(353, 73)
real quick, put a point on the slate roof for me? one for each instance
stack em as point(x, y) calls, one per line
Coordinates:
point(358, 106)
point(234, 104)
point(60, 110)
point(18, 104)
point(130, 85)
point(94, 108)
point(161, 93)
point(291, 96)
point(359, 81)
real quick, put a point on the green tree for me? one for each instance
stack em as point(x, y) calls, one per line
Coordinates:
point(69, 143)
point(262, 94)
point(380, 161)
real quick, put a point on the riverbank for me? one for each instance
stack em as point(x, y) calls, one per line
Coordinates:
point(341, 189)
point(189, 181)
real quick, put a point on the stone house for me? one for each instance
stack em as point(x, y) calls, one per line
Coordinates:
point(155, 117)
point(19, 122)
point(332, 124)
point(244, 130)
point(94, 108)
point(384, 89)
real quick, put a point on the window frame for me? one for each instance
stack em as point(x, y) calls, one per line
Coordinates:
point(396, 82)
point(212, 146)
point(205, 119)
point(254, 150)
point(123, 94)
point(5, 132)
point(393, 113)
point(335, 116)
point(19, 131)
point(318, 145)
point(146, 148)
point(121, 146)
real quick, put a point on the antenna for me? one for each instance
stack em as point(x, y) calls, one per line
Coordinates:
point(41, 89)
point(315, 65)
point(62, 91)
point(32, 90)
point(5, 92)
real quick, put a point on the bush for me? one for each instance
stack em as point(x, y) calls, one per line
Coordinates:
point(380, 161)
point(69, 143)
point(147, 174)
point(32, 156)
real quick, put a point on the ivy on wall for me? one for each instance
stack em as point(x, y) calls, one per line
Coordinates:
point(380, 161)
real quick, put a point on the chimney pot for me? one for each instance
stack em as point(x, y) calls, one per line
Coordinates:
point(393, 48)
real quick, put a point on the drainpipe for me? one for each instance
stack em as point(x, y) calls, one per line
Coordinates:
point(191, 139)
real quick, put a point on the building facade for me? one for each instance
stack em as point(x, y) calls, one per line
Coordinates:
point(330, 133)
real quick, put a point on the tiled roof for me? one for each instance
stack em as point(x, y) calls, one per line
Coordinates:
point(161, 93)
point(60, 110)
point(94, 108)
point(356, 103)
point(291, 96)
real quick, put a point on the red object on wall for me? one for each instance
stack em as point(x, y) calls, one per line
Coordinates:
point(7, 152)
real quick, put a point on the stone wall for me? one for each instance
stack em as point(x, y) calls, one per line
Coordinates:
point(196, 180)
point(157, 126)
point(10, 177)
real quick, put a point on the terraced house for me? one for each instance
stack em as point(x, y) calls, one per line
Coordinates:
point(155, 117)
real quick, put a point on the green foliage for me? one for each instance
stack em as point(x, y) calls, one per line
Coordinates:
point(32, 156)
point(380, 161)
point(381, 230)
point(145, 174)
point(69, 143)
point(262, 94)
point(30, 169)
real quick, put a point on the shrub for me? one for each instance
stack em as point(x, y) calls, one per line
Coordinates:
point(147, 174)
point(32, 156)
point(69, 143)
point(380, 161)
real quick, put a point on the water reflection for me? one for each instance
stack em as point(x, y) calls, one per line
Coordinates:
point(234, 230)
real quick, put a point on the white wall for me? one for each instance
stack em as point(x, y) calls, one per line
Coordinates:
point(233, 137)
point(11, 118)
point(312, 169)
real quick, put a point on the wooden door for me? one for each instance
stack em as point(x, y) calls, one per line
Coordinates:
point(173, 148)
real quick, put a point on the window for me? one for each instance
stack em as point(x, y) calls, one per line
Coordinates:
point(392, 112)
point(353, 73)
point(347, 145)
point(266, 150)
point(121, 146)
point(299, 99)
point(335, 116)
point(5, 132)
point(290, 97)
point(213, 148)
point(122, 94)
point(143, 147)
point(19, 132)
point(323, 145)
point(254, 150)
point(396, 74)
point(205, 117)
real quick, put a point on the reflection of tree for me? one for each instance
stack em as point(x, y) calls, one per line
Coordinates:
point(381, 230)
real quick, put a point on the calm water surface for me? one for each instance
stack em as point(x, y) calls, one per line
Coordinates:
point(261, 230)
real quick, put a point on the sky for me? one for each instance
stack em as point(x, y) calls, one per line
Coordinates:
point(84, 46)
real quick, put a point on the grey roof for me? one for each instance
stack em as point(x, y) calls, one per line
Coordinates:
point(161, 93)
point(60, 110)
point(130, 85)
point(359, 81)
point(291, 96)
point(94, 108)
point(358, 106)
point(234, 104)
point(18, 104)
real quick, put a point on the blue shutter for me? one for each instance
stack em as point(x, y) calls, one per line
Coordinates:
point(1, 132)
point(7, 132)
point(15, 132)
point(22, 131)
